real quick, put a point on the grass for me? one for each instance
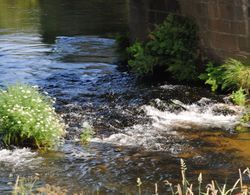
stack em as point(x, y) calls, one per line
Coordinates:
point(27, 118)
point(213, 188)
point(27, 186)
point(236, 75)
point(86, 134)
point(232, 75)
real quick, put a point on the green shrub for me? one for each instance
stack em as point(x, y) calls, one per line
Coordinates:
point(236, 75)
point(213, 76)
point(239, 97)
point(87, 134)
point(232, 75)
point(27, 118)
point(140, 62)
point(173, 45)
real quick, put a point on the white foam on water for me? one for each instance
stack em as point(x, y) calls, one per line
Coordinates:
point(195, 117)
point(163, 128)
point(18, 157)
point(145, 136)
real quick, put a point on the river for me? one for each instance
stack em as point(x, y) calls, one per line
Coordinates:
point(67, 48)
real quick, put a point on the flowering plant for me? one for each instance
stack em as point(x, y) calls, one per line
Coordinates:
point(27, 118)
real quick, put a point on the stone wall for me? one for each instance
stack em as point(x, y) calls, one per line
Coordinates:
point(223, 24)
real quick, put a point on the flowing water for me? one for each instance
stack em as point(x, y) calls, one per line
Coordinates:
point(142, 130)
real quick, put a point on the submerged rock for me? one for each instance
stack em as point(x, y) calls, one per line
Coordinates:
point(226, 109)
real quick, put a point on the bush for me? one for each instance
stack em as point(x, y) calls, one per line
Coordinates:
point(236, 75)
point(213, 76)
point(232, 75)
point(239, 97)
point(173, 46)
point(87, 133)
point(140, 62)
point(27, 118)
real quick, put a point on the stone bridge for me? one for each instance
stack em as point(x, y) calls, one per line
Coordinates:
point(224, 24)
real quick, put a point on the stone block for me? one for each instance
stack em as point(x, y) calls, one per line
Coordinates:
point(213, 10)
point(239, 13)
point(224, 41)
point(200, 9)
point(226, 11)
point(202, 23)
point(164, 5)
point(244, 44)
point(238, 28)
point(204, 39)
point(219, 25)
point(151, 17)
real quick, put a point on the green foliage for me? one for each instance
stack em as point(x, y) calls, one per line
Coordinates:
point(86, 135)
point(213, 76)
point(246, 117)
point(239, 97)
point(27, 118)
point(245, 120)
point(140, 62)
point(236, 75)
point(231, 75)
point(173, 45)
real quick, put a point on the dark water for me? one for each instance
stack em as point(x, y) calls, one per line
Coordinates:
point(67, 49)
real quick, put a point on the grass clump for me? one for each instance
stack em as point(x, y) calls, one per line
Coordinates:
point(239, 97)
point(172, 47)
point(232, 75)
point(200, 188)
point(212, 188)
point(184, 187)
point(27, 118)
point(24, 186)
point(236, 75)
point(86, 134)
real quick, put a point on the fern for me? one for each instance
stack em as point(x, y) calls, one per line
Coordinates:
point(232, 75)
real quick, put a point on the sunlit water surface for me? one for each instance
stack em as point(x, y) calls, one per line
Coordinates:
point(140, 132)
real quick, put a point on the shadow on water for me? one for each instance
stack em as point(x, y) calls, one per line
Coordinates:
point(95, 17)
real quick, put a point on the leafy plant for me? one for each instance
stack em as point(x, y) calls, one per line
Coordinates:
point(173, 45)
point(140, 62)
point(27, 118)
point(213, 76)
point(239, 97)
point(231, 75)
point(236, 75)
point(86, 135)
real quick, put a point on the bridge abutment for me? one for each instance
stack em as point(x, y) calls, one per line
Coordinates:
point(223, 24)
